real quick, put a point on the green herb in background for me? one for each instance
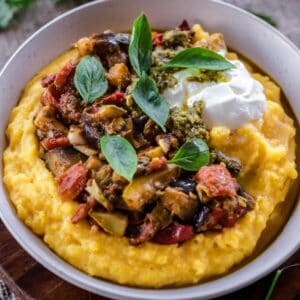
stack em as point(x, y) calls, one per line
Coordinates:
point(192, 155)
point(199, 58)
point(276, 279)
point(140, 48)
point(120, 155)
point(264, 17)
point(6, 14)
point(148, 99)
point(89, 79)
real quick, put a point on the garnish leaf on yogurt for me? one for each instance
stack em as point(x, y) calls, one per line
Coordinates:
point(191, 156)
point(120, 155)
point(148, 99)
point(89, 79)
point(201, 58)
point(140, 48)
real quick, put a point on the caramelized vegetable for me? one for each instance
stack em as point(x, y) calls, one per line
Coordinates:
point(175, 233)
point(109, 111)
point(144, 188)
point(113, 223)
point(94, 190)
point(73, 181)
point(60, 159)
point(179, 203)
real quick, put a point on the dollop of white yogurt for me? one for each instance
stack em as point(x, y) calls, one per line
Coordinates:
point(232, 103)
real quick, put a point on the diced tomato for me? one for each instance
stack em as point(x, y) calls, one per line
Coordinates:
point(51, 143)
point(73, 181)
point(48, 99)
point(184, 25)
point(47, 80)
point(82, 212)
point(216, 181)
point(175, 233)
point(157, 164)
point(62, 76)
point(157, 39)
point(117, 98)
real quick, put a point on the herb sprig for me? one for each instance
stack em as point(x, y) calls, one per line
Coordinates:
point(120, 155)
point(140, 48)
point(199, 58)
point(145, 92)
point(276, 279)
point(191, 156)
point(89, 79)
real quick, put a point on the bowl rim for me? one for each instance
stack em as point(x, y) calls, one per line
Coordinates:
point(106, 288)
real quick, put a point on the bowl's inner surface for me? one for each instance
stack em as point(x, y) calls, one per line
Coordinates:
point(240, 32)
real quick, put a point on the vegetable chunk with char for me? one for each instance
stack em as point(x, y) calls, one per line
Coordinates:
point(137, 168)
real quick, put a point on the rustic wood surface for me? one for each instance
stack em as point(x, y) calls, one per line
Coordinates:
point(28, 279)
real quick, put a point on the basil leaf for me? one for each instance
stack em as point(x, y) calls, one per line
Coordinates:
point(90, 79)
point(120, 155)
point(199, 58)
point(148, 99)
point(140, 48)
point(192, 155)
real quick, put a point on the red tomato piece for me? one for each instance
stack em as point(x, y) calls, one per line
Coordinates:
point(157, 164)
point(157, 39)
point(62, 76)
point(73, 181)
point(115, 98)
point(173, 234)
point(82, 212)
point(216, 181)
point(56, 142)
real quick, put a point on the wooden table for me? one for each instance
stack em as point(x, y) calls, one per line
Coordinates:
point(28, 279)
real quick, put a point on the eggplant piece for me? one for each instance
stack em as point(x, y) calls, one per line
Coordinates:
point(92, 134)
point(144, 188)
point(108, 49)
point(179, 203)
point(185, 185)
point(123, 38)
point(200, 217)
point(59, 160)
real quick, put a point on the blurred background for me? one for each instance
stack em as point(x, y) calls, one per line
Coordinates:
point(20, 276)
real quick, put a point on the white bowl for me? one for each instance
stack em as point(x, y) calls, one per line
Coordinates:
point(243, 32)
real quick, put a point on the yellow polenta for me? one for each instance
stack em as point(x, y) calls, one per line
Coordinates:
point(266, 149)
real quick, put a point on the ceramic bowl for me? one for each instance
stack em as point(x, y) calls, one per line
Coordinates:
point(243, 32)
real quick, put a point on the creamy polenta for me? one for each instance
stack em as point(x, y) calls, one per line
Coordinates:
point(266, 149)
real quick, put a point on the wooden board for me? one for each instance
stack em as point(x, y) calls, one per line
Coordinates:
point(26, 277)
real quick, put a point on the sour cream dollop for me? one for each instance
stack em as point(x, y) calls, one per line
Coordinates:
point(232, 103)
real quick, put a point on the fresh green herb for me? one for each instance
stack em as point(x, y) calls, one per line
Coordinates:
point(6, 14)
point(192, 155)
point(201, 58)
point(120, 155)
point(264, 17)
point(90, 79)
point(276, 279)
point(11, 7)
point(20, 3)
point(140, 48)
point(147, 97)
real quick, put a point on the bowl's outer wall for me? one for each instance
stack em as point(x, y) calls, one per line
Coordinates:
point(243, 32)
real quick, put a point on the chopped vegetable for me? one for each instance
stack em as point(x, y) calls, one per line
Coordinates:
point(113, 223)
point(72, 182)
